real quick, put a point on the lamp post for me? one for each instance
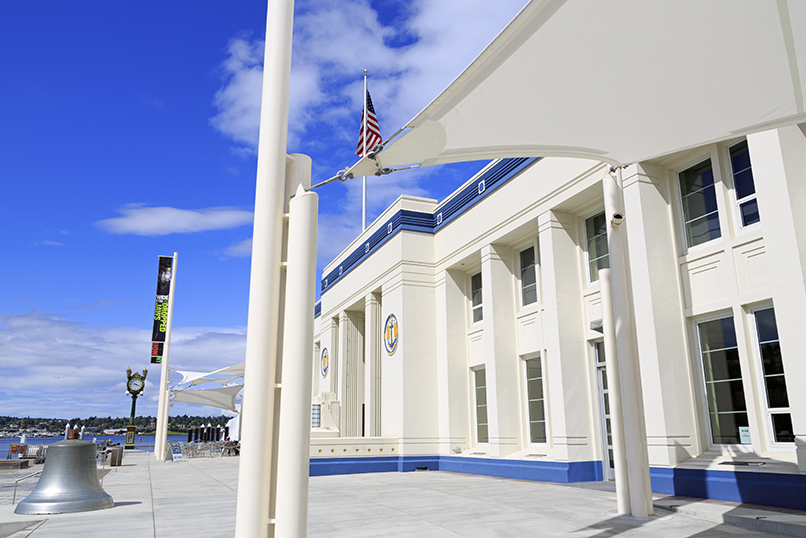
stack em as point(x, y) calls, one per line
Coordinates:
point(135, 384)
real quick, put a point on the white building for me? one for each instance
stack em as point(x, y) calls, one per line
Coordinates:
point(465, 335)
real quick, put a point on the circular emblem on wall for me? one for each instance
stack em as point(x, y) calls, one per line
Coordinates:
point(390, 334)
point(324, 362)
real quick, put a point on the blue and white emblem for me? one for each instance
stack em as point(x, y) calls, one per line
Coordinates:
point(324, 362)
point(390, 336)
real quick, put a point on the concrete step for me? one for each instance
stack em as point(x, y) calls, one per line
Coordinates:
point(746, 516)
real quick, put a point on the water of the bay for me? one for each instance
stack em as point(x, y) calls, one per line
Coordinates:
point(142, 442)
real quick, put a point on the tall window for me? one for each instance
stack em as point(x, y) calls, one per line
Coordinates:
point(727, 408)
point(596, 234)
point(482, 435)
point(699, 203)
point(743, 184)
point(773, 370)
point(537, 410)
point(528, 277)
point(475, 296)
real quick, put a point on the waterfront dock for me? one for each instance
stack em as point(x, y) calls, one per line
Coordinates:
point(197, 498)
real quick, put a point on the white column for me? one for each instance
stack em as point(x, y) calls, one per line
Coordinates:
point(451, 361)
point(614, 389)
point(629, 372)
point(567, 361)
point(779, 166)
point(500, 352)
point(161, 434)
point(257, 417)
point(295, 407)
point(372, 364)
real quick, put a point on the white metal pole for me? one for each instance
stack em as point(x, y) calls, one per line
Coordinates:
point(629, 371)
point(364, 131)
point(257, 409)
point(614, 391)
point(161, 435)
point(297, 371)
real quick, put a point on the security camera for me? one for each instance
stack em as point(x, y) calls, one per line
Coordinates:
point(616, 220)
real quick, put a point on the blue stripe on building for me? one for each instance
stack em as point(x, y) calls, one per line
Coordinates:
point(417, 221)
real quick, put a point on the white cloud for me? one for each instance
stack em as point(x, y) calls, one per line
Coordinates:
point(140, 220)
point(409, 63)
point(241, 249)
point(49, 243)
point(63, 369)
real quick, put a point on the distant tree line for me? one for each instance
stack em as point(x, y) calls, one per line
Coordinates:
point(99, 424)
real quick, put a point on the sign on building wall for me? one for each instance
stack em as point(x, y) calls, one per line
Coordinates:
point(390, 336)
point(324, 362)
point(164, 278)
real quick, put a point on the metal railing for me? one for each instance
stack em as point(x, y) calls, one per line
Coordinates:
point(17, 482)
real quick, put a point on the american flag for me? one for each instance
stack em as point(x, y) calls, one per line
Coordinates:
point(373, 131)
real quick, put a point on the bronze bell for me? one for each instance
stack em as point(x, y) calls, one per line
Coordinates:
point(69, 482)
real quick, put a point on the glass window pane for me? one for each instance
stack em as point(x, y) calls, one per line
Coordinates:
point(482, 434)
point(535, 388)
point(475, 289)
point(767, 328)
point(527, 257)
point(477, 315)
point(481, 396)
point(703, 229)
point(538, 432)
point(533, 369)
point(697, 178)
point(742, 170)
point(723, 383)
point(749, 212)
point(717, 334)
point(776, 391)
point(596, 234)
point(529, 295)
point(726, 397)
point(782, 426)
point(528, 276)
point(722, 365)
point(725, 427)
point(771, 358)
point(536, 411)
point(699, 203)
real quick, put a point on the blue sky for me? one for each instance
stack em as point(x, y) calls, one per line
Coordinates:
point(128, 130)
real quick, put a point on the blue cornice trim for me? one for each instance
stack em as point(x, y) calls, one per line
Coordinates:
point(430, 223)
point(317, 309)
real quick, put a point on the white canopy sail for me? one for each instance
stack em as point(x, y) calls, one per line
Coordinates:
point(222, 398)
point(619, 82)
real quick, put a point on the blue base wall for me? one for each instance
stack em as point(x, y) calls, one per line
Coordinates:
point(770, 489)
point(545, 471)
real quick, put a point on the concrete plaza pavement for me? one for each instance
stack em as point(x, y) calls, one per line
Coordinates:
point(197, 498)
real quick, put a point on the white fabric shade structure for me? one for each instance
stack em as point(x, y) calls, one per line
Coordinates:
point(620, 82)
point(236, 370)
point(223, 398)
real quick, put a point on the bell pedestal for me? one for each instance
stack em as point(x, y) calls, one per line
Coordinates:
point(69, 482)
point(129, 437)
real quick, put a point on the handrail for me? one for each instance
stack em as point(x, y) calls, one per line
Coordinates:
point(17, 481)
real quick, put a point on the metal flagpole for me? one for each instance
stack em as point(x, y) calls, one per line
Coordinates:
point(364, 131)
point(257, 408)
point(161, 435)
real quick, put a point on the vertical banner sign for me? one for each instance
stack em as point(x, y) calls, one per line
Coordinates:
point(164, 278)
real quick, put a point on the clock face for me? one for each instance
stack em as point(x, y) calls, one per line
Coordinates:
point(135, 384)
